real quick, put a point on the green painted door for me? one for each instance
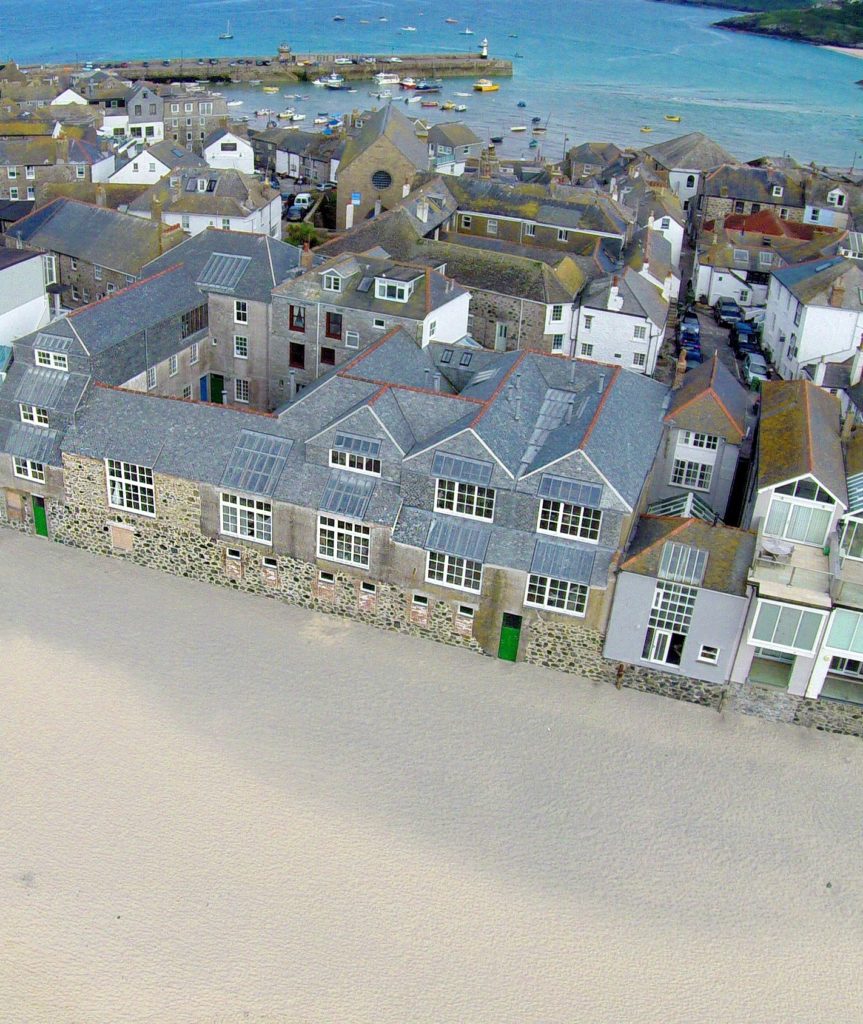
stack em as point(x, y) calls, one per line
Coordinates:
point(510, 633)
point(217, 388)
point(40, 518)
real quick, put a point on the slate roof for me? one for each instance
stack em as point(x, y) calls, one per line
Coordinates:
point(452, 133)
point(729, 551)
point(15, 209)
point(640, 296)
point(172, 155)
point(692, 152)
point(270, 262)
point(712, 401)
point(754, 184)
point(799, 436)
point(94, 234)
point(836, 281)
point(233, 194)
point(10, 257)
point(389, 123)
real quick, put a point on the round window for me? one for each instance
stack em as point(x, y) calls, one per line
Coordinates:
point(382, 180)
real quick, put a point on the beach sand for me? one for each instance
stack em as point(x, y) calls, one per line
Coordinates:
point(216, 808)
point(851, 51)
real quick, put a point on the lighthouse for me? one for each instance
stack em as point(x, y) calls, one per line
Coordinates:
point(483, 50)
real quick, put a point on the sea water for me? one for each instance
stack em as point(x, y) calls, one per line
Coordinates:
point(591, 69)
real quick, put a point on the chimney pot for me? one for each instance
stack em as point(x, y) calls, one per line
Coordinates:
point(437, 381)
point(292, 388)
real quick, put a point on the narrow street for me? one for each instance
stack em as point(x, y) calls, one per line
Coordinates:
point(221, 809)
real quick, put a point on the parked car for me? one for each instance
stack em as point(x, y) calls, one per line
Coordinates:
point(342, 60)
point(755, 370)
point(726, 312)
point(395, 60)
point(326, 186)
point(304, 200)
point(296, 213)
point(689, 324)
point(694, 356)
point(744, 338)
point(687, 341)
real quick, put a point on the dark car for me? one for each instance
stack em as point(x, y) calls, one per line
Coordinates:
point(726, 312)
point(166, 63)
point(744, 338)
point(296, 213)
point(694, 356)
point(685, 340)
point(690, 325)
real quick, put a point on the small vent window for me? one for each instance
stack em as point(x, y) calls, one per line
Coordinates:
point(381, 180)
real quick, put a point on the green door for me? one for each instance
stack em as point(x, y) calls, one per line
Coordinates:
point(510, 632)
point(40, 518)
point(217, 388)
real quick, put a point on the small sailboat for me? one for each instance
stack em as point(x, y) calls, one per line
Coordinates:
point(672, 117)
point(227, 34)
point(466, 32)
point(518, 128)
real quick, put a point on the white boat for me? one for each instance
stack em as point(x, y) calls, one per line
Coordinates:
point(320, 120)
point(466, 32)
point(384, 94)
point(465, 94)
point(234, 103)
point(518, 128)
point(409, 28)
point(333, 81)
point(227, 34)
point(286, 115)
point(266, 112)
point(386, 78)
point(254, 81)
point(413, 99)
point(460, 108)
point(298, 117)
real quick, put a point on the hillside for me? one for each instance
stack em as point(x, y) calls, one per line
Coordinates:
point(754, 6)
point(833, 26)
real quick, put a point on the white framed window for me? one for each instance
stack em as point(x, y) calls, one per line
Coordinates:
point(56, 360)
point(76, 295)
point(668, 625)
point(12, 172)
point(332, 283)
point(557, 343)
point(432, 328)
point(697, 440)
point(187, 391)
point(530, 230)
point(466, 611)
point(173, 366)
point(30, 172)
point(352, 339)
point(469, 500)
point(420, 600)
point(249, 518)
point(708, 654)
point(73, 263)
point(184, 221)
point(31, 192)
point(561, 517)
point(777, 191)
point(343, 540)
point(97, 272)
point(241, 311)
point(355, 463)
point(802, 522)
point(193, 353)
point(556, 313)
point(29, 469)
point(391, 290)
point(696, 475)
point(241, 346)
point(786, 627)
point(33, 414)
point(588, 322)
point(639, 360)
point(380, 323)
point(586, 348)
point(226, 223)
point(491, 227)
point(665, 224)
point(130, 487)
point(466, 221)
point(562, 235)
point(368, 588)
point(241, 390)
point(110, 288)
point(639, 332)
point(49, 267)
point(151, 377)
point(559, 595)
point(13, 194)
point(453, 571)
point(129, 278)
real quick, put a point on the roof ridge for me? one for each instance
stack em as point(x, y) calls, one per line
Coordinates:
point(808, 418)
point(187, 401)
point(595, 418)
point(487, 403)
point(659, 540)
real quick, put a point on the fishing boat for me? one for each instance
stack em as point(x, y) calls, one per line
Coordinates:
point(426, 86)
point(518, 128)
point(234, 103)
point(254, 81)
point(320, 120)
point(266, 112)
point(413, 99)
point(646, 128)
point(460, 108)
point(407, 83)
point(285, 115)
point(451, 21)
point(485, 85)
point(383, 19)
point(227, 34)
point(333, 81)
point(383, 94)
point(386, 78)
point(521, 103)
point(672, 117)
point(447, 105)
point(533, 144)
point(271, 88)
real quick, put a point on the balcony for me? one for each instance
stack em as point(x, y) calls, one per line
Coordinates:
point(786, 571)
point(847, 587)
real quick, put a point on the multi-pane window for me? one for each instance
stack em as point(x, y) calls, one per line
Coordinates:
point(357, 463)
point(491, 227)
point(298, 318)
point(297, 355)
point(332, 283)
point(639, 332)
point(250, 518)
point(639, 360)
point(34, 414)
point(793, 520)
point(696, 440)
point(691, 474)
point(562, 235)
point(557, 343)
point(194, 320)
point(787, 627)
point(241, 346)
point(571, 520)
point(151, 377)
point(465, 499)
point(588, 322)
point(173, 366)
point(241, 311)
point(97, 272)
point(193, 353)
point(668, 626)
point(352, 339)
point(561, 595)
point(56, 360)
point(241, 390)
point(29, 469)
point(334, 325)
point(453, 571)
point(130, 487)
point(343, 540)
point(586, 349)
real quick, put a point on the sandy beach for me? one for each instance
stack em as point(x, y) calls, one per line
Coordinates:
point(851, 51)
point(216, 808)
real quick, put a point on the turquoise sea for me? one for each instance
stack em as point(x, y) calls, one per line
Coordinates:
point(596, 69)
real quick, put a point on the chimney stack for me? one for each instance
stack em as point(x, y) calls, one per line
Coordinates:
point(569, 405)
point(837, 292)
point(856, 371)
point(600, 384)
point(517, 405)
point(679, 370)
point(292, 386)
point(306, 257)
point(378, 207)
point(437, 381)
point(849, 426)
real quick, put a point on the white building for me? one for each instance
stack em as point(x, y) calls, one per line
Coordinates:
point(69, 97)
point(622, 320)
point(684, 160)
point(814, 315)
point(152, 164)
point(24, 301)
point(226, 151)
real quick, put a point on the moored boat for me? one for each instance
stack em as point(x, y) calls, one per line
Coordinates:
point(425, 86)
point(646, 128)
point(460, 108)
point(672, 117)
point(429, 103)
point(407, 83)
point(451, 21)
point(485, 85)
point(467, 32)
point(386, 78)
point(496, 139)
point(234, 103)
point(271, 88)
point(518, 128)
point(447, 105)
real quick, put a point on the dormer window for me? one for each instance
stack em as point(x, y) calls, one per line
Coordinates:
point(332, 283)
point(777, 191)
point(836, 198)
point(202, 184)
point(395, 291)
